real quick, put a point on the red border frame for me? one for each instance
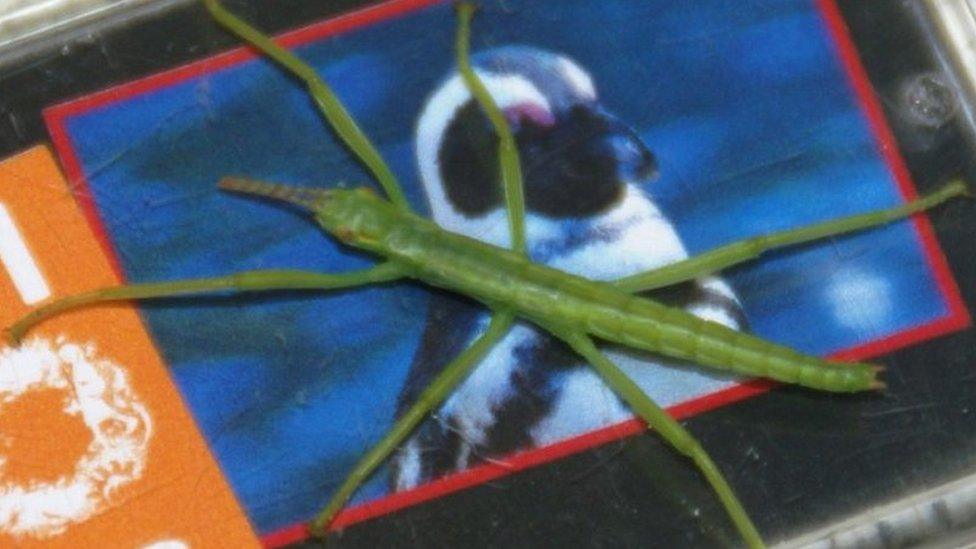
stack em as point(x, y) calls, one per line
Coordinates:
point(957, 318)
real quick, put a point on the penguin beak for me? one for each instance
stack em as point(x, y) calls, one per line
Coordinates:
point(634, 160)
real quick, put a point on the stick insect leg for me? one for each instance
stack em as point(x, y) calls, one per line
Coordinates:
point(324, 97)
point(508, 156)
point(247, 281)
point(443, 384)
point(669, 429)
point(746, 250)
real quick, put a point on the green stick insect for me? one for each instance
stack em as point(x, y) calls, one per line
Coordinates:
point(574, 309)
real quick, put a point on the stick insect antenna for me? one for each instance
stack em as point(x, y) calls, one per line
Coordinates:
point(303, 197)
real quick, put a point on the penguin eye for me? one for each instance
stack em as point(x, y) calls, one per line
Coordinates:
point(529, 114)
point(588, 119)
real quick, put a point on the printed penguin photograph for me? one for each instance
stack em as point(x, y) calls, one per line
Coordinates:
point(649, 131)
point(583, 169)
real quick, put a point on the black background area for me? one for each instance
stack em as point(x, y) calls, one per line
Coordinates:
point(798, 459)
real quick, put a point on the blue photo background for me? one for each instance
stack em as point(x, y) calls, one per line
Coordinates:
point(744, 103)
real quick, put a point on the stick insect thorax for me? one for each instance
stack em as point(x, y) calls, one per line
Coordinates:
point(548, 297)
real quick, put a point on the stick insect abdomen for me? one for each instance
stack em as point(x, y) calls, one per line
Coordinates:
point(553, 298)
point(674, 332)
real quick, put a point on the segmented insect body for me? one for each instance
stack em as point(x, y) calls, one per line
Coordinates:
point(502, 278)
point(571, 307)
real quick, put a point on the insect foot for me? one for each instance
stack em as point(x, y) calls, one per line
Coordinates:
point(963, 189)
point(13, 335)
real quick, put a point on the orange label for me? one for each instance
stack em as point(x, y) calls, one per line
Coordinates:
point(96, 446)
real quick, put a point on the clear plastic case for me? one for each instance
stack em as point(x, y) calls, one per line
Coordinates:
point(814, 470)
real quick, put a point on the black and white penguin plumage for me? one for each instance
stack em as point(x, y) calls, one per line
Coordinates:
point(586, 215)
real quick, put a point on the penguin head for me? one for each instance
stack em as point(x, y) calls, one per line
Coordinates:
point(576, 157)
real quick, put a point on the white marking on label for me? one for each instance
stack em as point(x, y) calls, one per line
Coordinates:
point(21, 265)
point(100, 394)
